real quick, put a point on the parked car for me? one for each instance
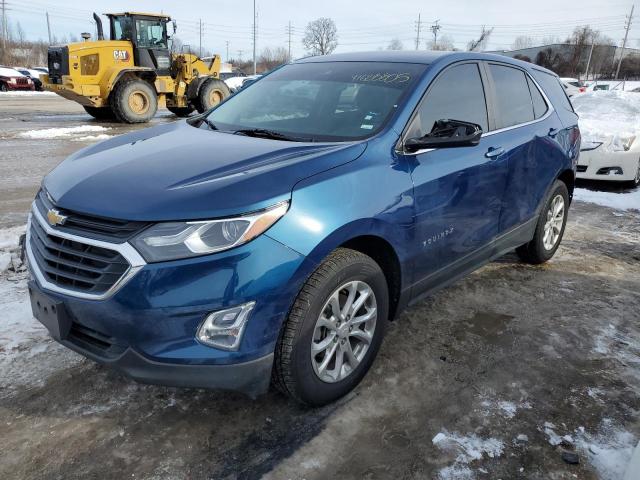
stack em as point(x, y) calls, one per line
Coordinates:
point(227, 75)
point(235, 83)
point(34, 75)
point(11, 79)
point(250, 79)
point(573, 86)
point(42, 69)
point(610, 123)
point(292, 230)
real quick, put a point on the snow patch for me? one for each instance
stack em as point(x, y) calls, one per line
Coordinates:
point(92, 138)
point(63, 132)
point(619, 201)
point(549, 430)
point(608, 450)
point(470, 447)
point(505, 408)
point(456, 472)
point(26, 93)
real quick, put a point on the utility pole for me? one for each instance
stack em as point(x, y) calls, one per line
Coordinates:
point(586, 73)
point(624, 42)
point(49, 29)
point(255, 20)
point(4, 28)
point(418, 25)
point(240, 52)
point(289, 31)
point(227, 51)
point(434, 28)
point(200, 31)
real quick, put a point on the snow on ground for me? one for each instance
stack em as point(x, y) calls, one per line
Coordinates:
point(67, 132)
point(608, 114)
point(617, 200)
point(468, 449)
point(26, 93)
point(609, 450)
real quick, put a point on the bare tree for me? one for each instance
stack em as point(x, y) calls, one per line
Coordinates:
point(321, 36)
point(524, 58)
point(522, 41)
point(395, 44)
point(271, 58)
point(445, 43)
point(481, 43)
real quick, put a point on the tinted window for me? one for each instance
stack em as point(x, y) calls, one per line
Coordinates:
point(553, 88)
point(539, 105)
point(513, 100)
point(321, 101)
point(456, 95)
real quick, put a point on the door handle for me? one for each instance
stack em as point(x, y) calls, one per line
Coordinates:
point(493, 152)
point(553, 132)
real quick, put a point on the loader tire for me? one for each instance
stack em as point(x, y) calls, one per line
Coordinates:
point(181, 111)
point(211, 93)
point(100, 113)
point(134, 101)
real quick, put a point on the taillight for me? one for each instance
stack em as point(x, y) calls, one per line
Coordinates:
point(583, 89)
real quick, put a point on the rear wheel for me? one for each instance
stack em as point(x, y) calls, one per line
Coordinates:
point(3, 87)
point(100, 113)
point(134, 101)
point(181, 111)
point(334, 329)
point(550, 228)
point(211, 93)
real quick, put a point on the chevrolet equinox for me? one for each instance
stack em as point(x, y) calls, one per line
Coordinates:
point(270, 239)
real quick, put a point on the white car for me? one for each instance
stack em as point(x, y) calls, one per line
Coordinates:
point(573, 86)
point(610, 126)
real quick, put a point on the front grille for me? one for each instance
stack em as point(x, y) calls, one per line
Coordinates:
point(74, 265)
point(94, 341)
point(22, 81)
point(581, 168)
point(101, 228)
point(58, 63)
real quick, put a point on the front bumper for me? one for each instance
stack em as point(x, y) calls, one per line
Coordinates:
point(592, 165)
point(147, 328)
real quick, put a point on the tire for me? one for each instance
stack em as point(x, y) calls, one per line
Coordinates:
point(181, 112)
point(3, 87)
point(134, 101)
point(100, 113)
point(295, 372)
point(211, 93)
point(547, 238)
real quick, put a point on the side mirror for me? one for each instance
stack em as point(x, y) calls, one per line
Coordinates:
point(445, 134)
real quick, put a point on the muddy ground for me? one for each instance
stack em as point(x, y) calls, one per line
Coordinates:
point(493, 377)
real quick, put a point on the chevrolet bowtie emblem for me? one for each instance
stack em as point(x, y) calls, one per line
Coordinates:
point(55, 218)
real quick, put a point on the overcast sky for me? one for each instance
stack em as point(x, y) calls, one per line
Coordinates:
point(362, 24)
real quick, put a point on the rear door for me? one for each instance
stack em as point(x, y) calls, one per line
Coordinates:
point(458, 191)
point(525, 131)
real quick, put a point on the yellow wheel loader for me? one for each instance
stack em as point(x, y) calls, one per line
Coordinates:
point(128, 77)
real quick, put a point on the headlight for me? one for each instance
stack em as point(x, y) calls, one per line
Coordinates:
point(173, 240)
point(623, 143)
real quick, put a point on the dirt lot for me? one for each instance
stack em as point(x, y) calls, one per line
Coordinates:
point(493, 377)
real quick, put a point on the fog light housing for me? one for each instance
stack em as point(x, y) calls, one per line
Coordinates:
point(224, 328)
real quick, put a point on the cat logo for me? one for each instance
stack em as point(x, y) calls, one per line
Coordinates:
point(121, 55)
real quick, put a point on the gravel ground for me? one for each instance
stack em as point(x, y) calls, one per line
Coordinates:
point(498, 376)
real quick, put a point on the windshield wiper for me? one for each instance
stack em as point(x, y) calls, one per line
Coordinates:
point(209, 123)
point(264, 133)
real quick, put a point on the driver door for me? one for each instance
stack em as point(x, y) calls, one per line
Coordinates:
point(458, 190)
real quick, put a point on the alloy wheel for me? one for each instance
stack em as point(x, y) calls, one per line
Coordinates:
point(344, 331)
point(553, 225)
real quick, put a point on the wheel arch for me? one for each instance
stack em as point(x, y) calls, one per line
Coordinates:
point(146, 74)
point(383, 253)
point(568, 177)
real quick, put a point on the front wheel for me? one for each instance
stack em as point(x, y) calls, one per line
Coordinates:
point(334, 329)
point(550, 227)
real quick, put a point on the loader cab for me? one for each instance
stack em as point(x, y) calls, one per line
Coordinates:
point(148, 36)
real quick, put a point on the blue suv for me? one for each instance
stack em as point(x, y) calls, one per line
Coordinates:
point(272, 238)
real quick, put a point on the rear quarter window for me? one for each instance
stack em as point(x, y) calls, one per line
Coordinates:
point(553, 88)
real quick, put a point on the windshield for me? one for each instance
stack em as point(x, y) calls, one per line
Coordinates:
point(325, 101)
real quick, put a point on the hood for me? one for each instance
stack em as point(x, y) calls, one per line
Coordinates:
point(179, 172)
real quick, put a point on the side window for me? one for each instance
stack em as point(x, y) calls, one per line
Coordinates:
point(539, 105)
point(513, 100)
point(457, 94)
point(553, 88)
